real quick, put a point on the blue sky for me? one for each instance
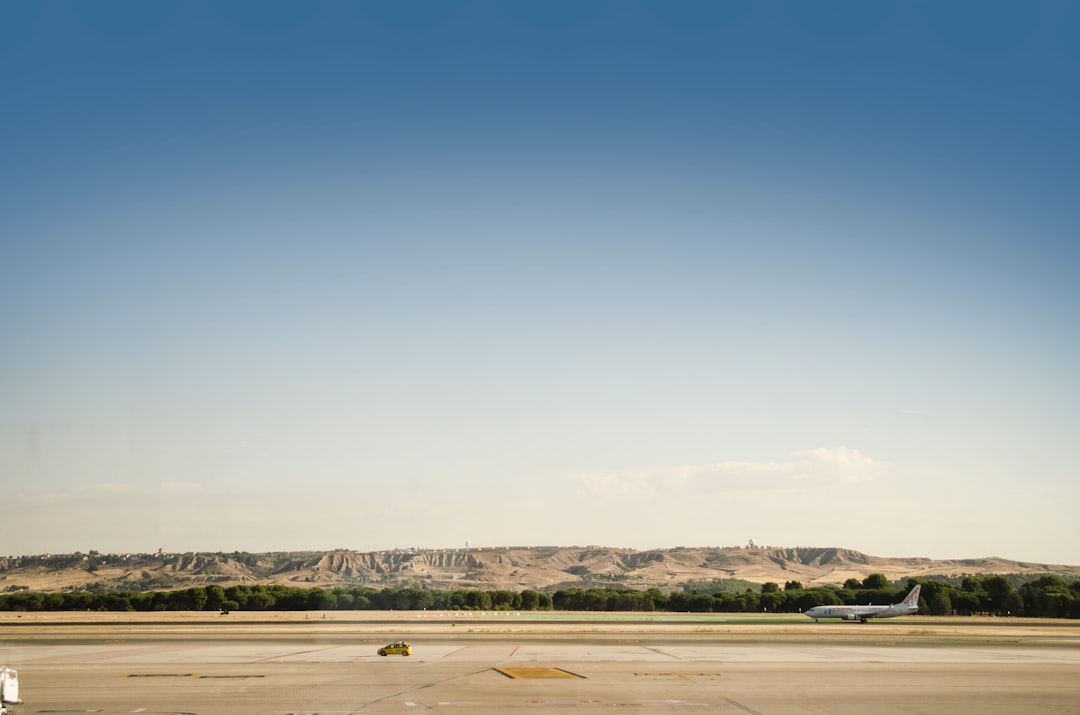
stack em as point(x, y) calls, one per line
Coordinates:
point(374, 275)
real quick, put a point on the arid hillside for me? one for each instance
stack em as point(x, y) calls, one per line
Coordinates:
point(515, 568)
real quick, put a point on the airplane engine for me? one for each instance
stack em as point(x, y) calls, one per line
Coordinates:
point(851, 617)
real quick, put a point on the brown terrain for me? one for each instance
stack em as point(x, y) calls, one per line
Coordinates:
point(514, 568)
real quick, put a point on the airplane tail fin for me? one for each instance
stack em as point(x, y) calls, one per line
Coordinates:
point(912, 599)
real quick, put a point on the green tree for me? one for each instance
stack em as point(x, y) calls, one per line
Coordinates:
point(998, 589)
point(405, 599)
point(629, 600)
point(321, 600)
point(568, 599)
point(239, 594)
point(503, 600)
point(772, 601)
point(288, 598)
point(424, 600)
point(259, 600)
point(78, 601)
point(965, 603)
point(749, 602)
point(723, 603)
point(1046, 597)
point(215, 595)
point(117, 602)
point(478, 600)
point(937, 598)
point(877, 581)
point(159, 601)
point(973, 586)
point(530, 600)
point(1014, 604)
point(142, 601)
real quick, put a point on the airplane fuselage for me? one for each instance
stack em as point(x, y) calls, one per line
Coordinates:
point(849, 613)
point(909, 605)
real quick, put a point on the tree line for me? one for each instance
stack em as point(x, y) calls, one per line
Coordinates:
point(1047, 596)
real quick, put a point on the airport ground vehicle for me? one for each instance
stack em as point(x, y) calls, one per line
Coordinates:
point(396, 648)
point(9, 688)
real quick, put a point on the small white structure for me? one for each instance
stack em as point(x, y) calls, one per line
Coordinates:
point(9, 688)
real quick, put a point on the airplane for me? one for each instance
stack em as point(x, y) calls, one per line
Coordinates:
point(909, 605)
point(9, 689)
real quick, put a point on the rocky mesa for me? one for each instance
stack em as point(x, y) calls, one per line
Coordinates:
point(515, 568)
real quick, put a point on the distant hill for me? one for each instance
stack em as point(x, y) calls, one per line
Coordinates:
point(515, 568)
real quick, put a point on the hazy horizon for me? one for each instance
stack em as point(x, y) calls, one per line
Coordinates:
point(303, 276)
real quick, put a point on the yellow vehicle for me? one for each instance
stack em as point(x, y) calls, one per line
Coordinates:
point(395, 648)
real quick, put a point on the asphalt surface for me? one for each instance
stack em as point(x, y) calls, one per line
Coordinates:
point(499, 665)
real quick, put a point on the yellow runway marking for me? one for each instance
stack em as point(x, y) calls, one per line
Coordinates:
point(533, 673)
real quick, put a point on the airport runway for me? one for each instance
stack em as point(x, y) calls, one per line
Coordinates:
point(471, 665)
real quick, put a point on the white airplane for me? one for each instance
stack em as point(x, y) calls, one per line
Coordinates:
point(9, 689)
point(909, 605)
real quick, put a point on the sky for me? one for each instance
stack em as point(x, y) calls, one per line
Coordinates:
point(289, 276)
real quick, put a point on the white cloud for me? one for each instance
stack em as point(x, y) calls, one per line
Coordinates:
point(824, 467)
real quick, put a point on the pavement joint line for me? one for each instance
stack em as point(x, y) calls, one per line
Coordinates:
point(231, 677)
point(742, 707)
point(163, 675)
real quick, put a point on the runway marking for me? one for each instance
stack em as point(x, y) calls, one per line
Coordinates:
point(483, 651)
point(193, 675)
point(289, 655)
point(536, 673)
point(230, 677)
point(161, 675)
point(742, 707)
